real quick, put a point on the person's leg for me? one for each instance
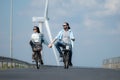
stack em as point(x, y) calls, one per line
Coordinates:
point(59, 44)
point(40, 55)
point(33, 56)
point(70, 59)
point(70, 56)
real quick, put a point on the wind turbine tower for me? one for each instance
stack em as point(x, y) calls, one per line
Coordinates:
point(44, 20)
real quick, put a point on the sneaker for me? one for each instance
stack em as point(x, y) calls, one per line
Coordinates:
point(70, 64)
point(41, 62)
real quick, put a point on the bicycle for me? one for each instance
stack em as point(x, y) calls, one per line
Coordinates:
point(37, 55)
point(66, 52)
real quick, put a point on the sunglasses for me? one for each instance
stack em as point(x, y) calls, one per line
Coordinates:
point(64, 25)
point(34, 29)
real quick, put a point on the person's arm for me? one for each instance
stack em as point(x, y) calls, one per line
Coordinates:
point(57, 37)
point(72, 36)
point(44, 40)
point(52, 42)
point(31, 41)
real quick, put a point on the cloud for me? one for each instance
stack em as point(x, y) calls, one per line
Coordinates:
point(85, 3)
point(110, 7)
point(92, 23)
point(88, 42)
point(100, 27)
point(93, 12)
point(116, 30)
point(34, 8)
point(37, 3)
point(73, 7)
point(59, 7)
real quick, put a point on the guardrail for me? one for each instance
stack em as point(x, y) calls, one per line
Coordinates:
point(113, 63)
point(6, 62)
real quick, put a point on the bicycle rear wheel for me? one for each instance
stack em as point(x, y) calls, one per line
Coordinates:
point(66, 60)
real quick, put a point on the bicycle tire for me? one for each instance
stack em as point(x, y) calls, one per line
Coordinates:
point(66, 59)
point(37, 60)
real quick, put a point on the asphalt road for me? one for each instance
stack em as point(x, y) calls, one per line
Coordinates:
point(59, 73)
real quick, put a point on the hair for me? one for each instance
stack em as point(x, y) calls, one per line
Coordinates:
point(37, 29)
point(67, 24)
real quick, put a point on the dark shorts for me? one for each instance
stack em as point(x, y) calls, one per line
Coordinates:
point(36, 46)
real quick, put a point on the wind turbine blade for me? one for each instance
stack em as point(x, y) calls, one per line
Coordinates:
point(50, 37)
point(46, 10)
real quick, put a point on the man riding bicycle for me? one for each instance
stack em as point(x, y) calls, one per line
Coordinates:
point(64, 37)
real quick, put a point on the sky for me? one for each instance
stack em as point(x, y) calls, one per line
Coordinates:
point(95, 24)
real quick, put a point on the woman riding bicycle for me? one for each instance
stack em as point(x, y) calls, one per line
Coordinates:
point(37, 38)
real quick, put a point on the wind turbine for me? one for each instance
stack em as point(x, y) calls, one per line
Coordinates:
point(40, 21)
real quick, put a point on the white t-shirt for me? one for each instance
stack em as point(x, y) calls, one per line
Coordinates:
point(36, 37)
point(66, 37)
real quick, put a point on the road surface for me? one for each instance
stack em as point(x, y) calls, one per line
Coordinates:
point(59, 73)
